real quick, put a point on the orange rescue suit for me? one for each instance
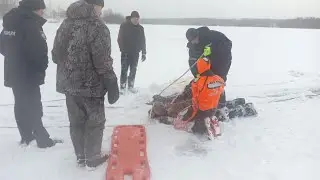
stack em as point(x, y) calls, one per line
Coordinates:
point(206, 89)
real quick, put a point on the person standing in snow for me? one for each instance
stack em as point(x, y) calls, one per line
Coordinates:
point(131, 41)
point(23, 44)
point(82, 52)
point(204, 40)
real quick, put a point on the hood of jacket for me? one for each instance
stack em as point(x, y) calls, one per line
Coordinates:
point(204, 36)
point(15, 16)
point(81, 10)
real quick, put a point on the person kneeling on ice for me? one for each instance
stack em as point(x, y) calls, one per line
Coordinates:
point(206, 91)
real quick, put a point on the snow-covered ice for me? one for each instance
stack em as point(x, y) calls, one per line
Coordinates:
point(276, 69)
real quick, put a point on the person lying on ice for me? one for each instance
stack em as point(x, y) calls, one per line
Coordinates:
point(206, 91)
point(166, 108)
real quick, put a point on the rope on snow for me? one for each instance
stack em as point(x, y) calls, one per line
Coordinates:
point(54, 100)
point(176, 81)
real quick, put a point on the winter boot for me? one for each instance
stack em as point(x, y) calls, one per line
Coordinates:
point(213, 127)
point(234, 103)
point(222, 114)
point(123, 88)
point(48, 143)
point(26, 142)
point(249, 110)
point(81, 161)
point(132, 90)
point(239, 111)
point(245, 110)
point(92, 164)
point(131, 87)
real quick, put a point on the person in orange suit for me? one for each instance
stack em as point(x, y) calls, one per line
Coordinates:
point(206, 91)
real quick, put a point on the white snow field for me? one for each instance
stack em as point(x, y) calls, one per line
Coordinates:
point(276, 69)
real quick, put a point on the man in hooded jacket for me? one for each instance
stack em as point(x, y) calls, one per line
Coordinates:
point(82, 52)
point(23, 44)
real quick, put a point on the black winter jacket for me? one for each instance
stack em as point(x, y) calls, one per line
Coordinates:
point(131, 38)
point(221, 46)
point(23, 44)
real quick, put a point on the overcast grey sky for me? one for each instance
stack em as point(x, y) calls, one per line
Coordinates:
point(212, 8)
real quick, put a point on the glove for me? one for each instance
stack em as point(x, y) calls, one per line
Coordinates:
point(207, 51)
point(143, 57)
point(113, 91)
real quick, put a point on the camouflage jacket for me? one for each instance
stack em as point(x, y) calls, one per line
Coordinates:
point(82, 52)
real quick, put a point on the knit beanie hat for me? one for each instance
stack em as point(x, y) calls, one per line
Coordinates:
point(135, 14)
point(96, 2)
point(32, 4)
point(191, 34)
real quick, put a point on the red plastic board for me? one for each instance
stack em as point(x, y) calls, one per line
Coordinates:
point(128, 154)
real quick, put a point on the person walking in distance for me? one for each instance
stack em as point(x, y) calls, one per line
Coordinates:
point(131, 41)
point(23, 44)
point(82, 52)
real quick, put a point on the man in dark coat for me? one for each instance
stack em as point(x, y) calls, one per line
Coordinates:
point(203, 39)
point(23, 44)
point(132, 41)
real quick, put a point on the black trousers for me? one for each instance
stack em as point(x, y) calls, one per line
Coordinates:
point(223, 98)
point(128, 60)
point(28, 113)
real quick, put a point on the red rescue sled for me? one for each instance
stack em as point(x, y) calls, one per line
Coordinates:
point(128, 156)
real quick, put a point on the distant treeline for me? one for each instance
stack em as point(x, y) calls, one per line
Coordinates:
point(111, 17)
point(308, 23)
